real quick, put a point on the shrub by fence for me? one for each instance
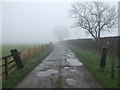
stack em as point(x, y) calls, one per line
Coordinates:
point(32, 52)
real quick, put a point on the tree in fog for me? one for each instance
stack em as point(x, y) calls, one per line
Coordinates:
point(94, 17)
point(61, 32)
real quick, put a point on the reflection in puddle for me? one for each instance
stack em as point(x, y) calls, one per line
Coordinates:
point(73, 71)
point(47, 73)
point(74, 62)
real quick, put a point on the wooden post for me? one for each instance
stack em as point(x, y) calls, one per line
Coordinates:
point(103, 58)
point(17, 58)
point(6, 66)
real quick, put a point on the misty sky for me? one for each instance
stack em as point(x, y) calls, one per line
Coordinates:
point(30, 22)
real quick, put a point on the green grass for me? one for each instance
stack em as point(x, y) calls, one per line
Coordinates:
point(91, 60)
point(59, 82)
point(29, 64)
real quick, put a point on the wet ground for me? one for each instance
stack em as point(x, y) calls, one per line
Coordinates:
point(61, 69)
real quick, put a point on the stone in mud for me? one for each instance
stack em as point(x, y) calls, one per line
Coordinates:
point(66, 67)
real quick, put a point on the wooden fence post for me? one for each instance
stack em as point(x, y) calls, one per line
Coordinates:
point(6, 66)
point(103, 58)
point(17, 58)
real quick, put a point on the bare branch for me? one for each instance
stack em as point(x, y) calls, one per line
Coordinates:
point(94, 17)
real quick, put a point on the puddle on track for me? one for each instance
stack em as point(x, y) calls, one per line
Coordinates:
point(71, 53)
point(73, 71)
point(49, 62)
point(74, 62)
point(71, 82)
point(47, 73)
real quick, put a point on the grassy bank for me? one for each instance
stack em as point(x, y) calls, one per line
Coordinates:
point(29, 64)
point(91, 60)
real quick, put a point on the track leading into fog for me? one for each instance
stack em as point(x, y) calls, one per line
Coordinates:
point(61, 69)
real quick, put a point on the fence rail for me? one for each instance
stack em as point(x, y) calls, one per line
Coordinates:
point(9, 62)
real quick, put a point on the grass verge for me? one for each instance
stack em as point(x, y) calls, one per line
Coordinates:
point(91, 60)
point(29, 64)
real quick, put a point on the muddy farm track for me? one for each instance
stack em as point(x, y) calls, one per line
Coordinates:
point(61, 69)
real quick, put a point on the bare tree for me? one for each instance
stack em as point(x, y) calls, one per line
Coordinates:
point(61, 32)
point(94, 17)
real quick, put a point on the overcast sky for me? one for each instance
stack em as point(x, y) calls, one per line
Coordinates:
point(30, 22)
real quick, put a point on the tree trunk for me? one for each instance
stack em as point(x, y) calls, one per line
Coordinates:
point(98, 44)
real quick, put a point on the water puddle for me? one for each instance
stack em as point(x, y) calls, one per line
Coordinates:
point(74, 62)
point(47, 73)
point(73, 71)
point(52, 71)
point(71, 53)
point(69, 56)
point(40, 67)
point(49, 62)
point(71, 82)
